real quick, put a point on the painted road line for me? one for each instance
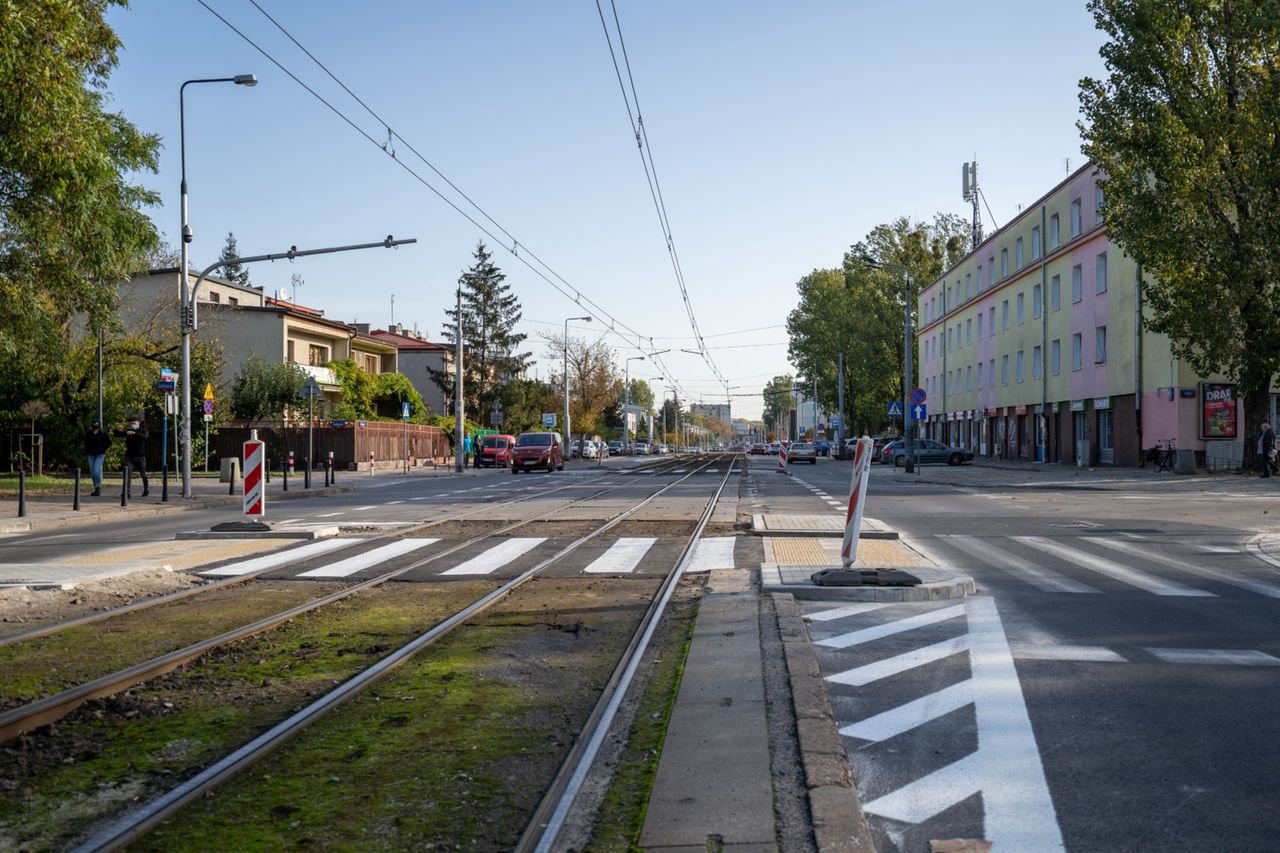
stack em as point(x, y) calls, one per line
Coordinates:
point(623, 556)
point(1266, 588)
point(906, 717)
point(842, 612)
point(1083, 654)
point(351, 565)
point(496, 557)
point(715, 552)
point(929, 795)
point(1230, 657)
point(392, 503)
point(1112, 569)
point(1042, 578)
point(876, 632)
point(364, 508)
point(270, 561)
point(862, 675)
point(330, 514)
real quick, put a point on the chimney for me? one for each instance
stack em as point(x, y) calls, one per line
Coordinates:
point(362, 328)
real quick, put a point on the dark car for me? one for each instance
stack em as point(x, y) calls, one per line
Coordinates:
point(495, 451)
point(927, 450)
point(537, 450)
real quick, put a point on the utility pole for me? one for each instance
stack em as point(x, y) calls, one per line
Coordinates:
point(459, 448)
point(840, 403)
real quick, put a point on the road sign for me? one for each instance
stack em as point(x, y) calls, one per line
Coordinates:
point(404, 410)
point(919, 412)
point(208, 418)
point(835, 422)
point(208, 391)
point(168, 380)
point(895, 409)
point(208, 406)
point(549, 420)
point(310, 389)
point(918, 396)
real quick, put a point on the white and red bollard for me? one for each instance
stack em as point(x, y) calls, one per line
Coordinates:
point(782, 458)
point(290, 461)
point(857, 499)
point(370, 463)
point(255, 499)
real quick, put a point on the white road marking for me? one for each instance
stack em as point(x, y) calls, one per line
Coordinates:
point(1086, 654)
point(859, 676)
point(329, 514)
point(496, 557)
point(842, 612)
point(1232, 657)
point(925, 797)
point(876, 632)
point(1042, 578)
point(364, 508)
point(1112, 569)
point(351, 565)
point(1271, 590)
point(906, 717)
point(270, 561)
point(392, 503)
point(715, 552)
point(622, 556)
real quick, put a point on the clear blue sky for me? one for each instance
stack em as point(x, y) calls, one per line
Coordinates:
point(782, 132)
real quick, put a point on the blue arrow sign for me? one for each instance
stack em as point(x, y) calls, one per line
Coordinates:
point(919, 412)
point(895, 409)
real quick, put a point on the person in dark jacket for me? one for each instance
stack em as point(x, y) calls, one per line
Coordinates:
point(1266, 448)
point(96, 442)
point(135, 451)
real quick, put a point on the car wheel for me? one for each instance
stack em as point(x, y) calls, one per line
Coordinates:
point(560, 467)
point(955, 459)
point(899, 461)
point(813, 461)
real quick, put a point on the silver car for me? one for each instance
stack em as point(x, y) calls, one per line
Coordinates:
point(802, 451)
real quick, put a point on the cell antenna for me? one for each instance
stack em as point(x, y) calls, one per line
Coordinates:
point(969, 184)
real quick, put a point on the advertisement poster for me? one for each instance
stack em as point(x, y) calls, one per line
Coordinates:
point(1218, 410)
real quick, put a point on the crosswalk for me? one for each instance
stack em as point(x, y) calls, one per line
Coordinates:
point(505, 556)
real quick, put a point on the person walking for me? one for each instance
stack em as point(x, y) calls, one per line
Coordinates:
point(135, 451)
point(96, 442)
point(466, 451)
point(1267, 448)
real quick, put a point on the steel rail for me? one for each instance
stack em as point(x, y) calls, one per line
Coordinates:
point(549, 817)
point(133, 825)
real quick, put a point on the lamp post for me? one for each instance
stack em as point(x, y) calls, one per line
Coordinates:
point(650, 381)
point(185, 322)
point(566, 377)
point(626, 400)
point(907, 422)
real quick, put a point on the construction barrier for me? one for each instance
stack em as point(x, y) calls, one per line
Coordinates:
point(255, 500)
point(857, 499)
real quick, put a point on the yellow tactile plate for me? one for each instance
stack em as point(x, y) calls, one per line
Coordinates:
point(178, 555)
point(810, 551)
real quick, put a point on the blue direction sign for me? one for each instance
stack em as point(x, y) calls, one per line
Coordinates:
point(918, 396)
point(895, 409)
point(919, 412)
point(404, 410)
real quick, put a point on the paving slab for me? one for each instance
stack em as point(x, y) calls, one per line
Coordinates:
point(815, 524)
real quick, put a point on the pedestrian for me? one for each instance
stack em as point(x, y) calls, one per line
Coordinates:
point(135, 451)
point(96, 442)
point(466, 451)
point(1266, 448)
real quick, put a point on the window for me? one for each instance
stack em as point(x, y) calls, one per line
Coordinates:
point(933, 306)
point(1055, 232)
point(1076, 226)
point(991, 271)
point(927, 348)
point(1004, 263)
point(1022, 308)
point(991, 373)
point(1101, 284)
point(1021, 368)
point(1077, 283)
point(1004, 370)
point(1076, 345)
point(1055, 357)
point(1035, 243)
point(1100, 345)
point(968, 331)
point(290, 357)
point(1004, 316)
point(215, 297)
point(980, 366)
point(1017, 254)
point(991, 321)
point(951, 339)
point(368, 363)
point(1035, 362)
point(979, 325)
point(1099, 197)
point(1037, 301)
point(968, 378)
point(317, 356)
point(232, 301)
point(979, 279)
point(1055, 293)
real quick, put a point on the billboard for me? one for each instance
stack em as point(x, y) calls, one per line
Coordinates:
point(1218, 410)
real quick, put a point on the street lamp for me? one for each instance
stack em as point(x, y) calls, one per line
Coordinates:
point(907, 421)
point(566, 377)
point(185, 320)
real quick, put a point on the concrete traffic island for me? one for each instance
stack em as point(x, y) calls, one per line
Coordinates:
point(790, 563)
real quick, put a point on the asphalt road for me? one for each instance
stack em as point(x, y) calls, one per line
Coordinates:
point(1113, 686)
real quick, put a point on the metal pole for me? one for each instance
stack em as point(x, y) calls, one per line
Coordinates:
point(908, 423)
point(100, 334)
point(566, 385)
point(626, 400)
point(311, 433)
point(840, 404)
point(75, 501)
point(459, 449)
point(206, 447)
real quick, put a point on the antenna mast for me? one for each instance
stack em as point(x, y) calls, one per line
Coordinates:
point(969, 182)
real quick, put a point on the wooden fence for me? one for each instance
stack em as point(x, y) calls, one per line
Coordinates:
point(350, 445)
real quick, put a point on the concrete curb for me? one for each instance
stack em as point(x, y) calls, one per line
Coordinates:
point(839, 823)
point(956, 587)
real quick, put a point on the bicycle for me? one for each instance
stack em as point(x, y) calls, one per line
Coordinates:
point(1162, 456)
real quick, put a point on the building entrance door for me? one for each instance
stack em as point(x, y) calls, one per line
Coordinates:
point(1106, 439)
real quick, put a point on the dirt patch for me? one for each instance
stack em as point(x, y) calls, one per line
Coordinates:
point(575, 529)
point(464, 529)
point(22, 608)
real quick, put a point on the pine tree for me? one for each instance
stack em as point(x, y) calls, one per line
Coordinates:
point(234, 273)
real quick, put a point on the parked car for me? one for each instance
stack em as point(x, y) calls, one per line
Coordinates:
point(774, 448)
point(584, 450)
point(642, 448)
point(537, 450)
point(759, 448)
point(927, 450)
point(802, 451)
point(616, 448)
point(495, 451)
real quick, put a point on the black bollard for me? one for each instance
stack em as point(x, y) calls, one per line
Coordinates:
point(164, 483)
point(231, 481)
point(75, 502)
point(124, 485)
point(328, 473)
point(306, 473)
point(22, 493)
point(267, 468)
point(284, 475)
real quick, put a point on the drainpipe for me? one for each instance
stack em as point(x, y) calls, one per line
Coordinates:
point(1137, 361)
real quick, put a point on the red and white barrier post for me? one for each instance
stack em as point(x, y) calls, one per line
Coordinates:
point(857, 499)
point(290, 461)
point(782, 458)
point(255, 499)
point(370, 463)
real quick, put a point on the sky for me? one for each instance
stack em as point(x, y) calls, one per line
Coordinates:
point(781, 133)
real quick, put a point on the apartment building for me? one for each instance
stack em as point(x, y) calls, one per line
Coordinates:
point(1034, 347)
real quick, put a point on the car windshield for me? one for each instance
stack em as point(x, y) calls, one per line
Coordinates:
point(534, 439)
point(499, 443)
point(802, 445)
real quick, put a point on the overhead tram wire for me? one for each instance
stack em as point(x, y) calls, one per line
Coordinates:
point(577, 296)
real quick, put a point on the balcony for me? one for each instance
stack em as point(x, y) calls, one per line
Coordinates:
point(322, 375)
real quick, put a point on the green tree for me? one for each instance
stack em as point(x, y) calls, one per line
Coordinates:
point(358, 392)
point(594, 383)
point(71, 223)
point(523, 402)
point(1185, 128)
point(490, 312)
point(234, 273)
point(266, 392)
point(777, 399)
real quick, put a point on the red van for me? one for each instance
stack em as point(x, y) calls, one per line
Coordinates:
point(495, 451)
point(537, 450)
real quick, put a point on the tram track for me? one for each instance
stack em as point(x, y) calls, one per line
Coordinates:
point(135, 824)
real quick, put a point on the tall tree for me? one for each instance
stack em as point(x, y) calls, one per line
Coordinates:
point(234, 273)
point(777, 399)
point(71, 223)
point(491, 357)
point(594, 383)
point(1185, 128)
